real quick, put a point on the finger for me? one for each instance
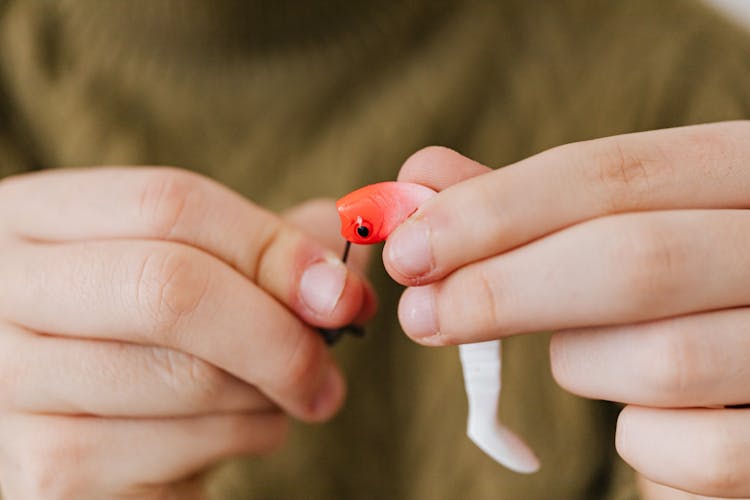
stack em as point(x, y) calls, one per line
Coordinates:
point(566, 185)
point(369, 306)
point(319, 219)
point(89, 377)
point(702, 451)
point(175, 296)
point(650, 490)
point(439, 168)
point(77, 455)
point(612, 270)
point(698, 360)
point(174, 205)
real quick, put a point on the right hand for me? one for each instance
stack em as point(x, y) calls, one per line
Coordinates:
point(152, 322)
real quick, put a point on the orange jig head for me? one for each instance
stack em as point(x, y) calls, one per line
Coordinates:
point(369, 214)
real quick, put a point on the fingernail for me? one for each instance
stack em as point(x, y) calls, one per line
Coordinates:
point(409, 248)
point(322, 284)
point(417, 313)
point(329, 396)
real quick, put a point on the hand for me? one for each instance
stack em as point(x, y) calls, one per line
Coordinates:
point(152, 323)
point(636, 250)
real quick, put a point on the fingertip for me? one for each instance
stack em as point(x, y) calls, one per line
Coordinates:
point(565, 365)
point(307, 383)
point(438, 167)
point(351, 302)
point(330, 294)
point(322, 286)
point(620, 433)
point(638, 430)
point(407, 254)
point(369, 304)
point(419, 163)
point(417, 314)
point(330, 397)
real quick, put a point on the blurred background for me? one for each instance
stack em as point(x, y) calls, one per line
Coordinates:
point(739, 10)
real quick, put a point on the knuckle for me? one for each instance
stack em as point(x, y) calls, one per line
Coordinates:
point(628, 172)
point(272, 237)
point(666, 365)
point(170, 287)
point(619, 168)
point(471, 299)
point(488, 300)
point(196, 382)
point(650, 258)
point(167, 198)
point(620, 174)
point(50, 463)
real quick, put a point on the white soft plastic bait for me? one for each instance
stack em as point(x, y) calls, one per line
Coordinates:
point(481, 364)
point(368, 215)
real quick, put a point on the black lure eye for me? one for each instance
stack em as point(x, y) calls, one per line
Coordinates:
point(363, 232)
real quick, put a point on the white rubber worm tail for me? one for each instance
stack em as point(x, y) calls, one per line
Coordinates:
point(481, 368)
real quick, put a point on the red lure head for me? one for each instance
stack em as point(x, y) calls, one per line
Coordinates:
point(369, 214)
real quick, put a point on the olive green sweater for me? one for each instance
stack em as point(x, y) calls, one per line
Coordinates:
point(284, 101)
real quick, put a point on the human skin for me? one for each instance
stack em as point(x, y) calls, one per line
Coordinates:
point(152, 323)
point(635, 251)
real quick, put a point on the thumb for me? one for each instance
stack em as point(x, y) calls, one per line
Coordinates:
point(319, 219)
point(438, 168)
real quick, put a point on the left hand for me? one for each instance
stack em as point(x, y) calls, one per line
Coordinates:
point(635, 249)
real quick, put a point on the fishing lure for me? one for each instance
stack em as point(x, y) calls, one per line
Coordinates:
point(369, 215)
point(364, 221)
